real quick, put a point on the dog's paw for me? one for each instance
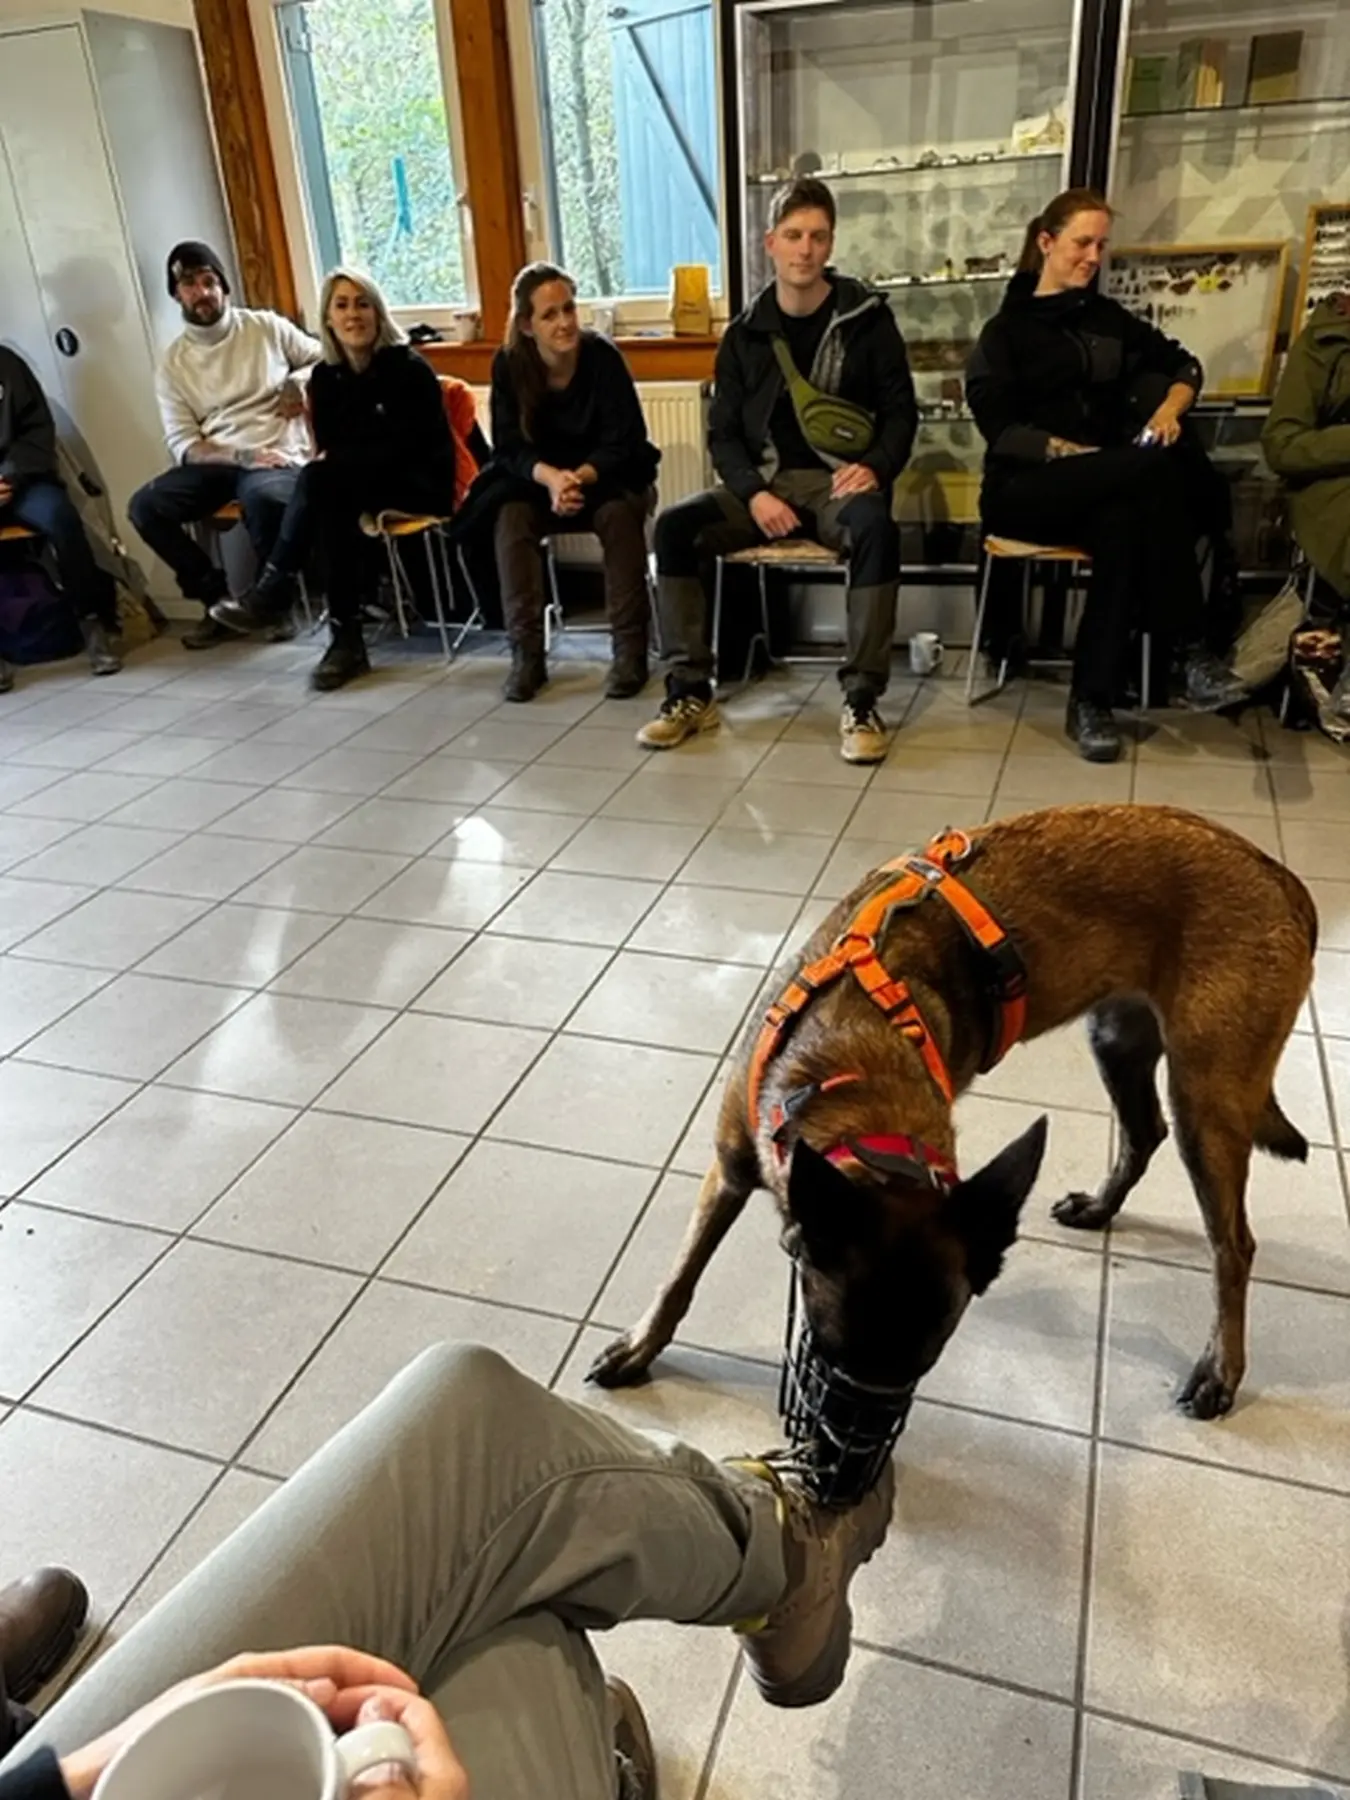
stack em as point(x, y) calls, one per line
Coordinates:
point(1084, 1212)
point(1205, 1395)
point(623, 1363)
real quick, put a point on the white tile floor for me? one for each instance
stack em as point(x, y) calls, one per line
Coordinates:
point(334, 1026)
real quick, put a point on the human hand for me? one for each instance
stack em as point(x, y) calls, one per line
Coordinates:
point(569, 496)
point(324, 1672)
point(853, 478)
point(267, 459)
point(1165, 425)
point(291, 401)
point(774, 517)
point(440, 1774)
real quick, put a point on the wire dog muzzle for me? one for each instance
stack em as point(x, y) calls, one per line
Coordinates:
point(842, 1431)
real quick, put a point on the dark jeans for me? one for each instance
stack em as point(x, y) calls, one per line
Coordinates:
point(164, 507)
point(1137, 514)
point(619, 520)
point(330, 498)
point(691, 536)
point(46, 507)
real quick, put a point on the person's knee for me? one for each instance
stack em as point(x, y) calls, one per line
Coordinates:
point(515, 523)
point(144, 506)
point(485, 1377)
point(622, 521)
point(677, 534)
point(874, 536)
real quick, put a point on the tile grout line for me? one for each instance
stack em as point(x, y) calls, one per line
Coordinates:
point(1090, 1498)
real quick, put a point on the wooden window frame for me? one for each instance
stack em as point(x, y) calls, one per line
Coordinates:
point(493, 183)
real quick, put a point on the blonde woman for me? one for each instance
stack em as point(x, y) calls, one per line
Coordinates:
point(382, 440)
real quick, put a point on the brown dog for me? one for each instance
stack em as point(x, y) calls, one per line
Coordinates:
point(1174, 935)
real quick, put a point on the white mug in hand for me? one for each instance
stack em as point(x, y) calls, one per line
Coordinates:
point(250, 1740)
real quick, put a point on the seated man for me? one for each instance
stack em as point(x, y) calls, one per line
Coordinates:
point(234, 422)
point(779, 477)
point(473, 1528)
point(33, 494)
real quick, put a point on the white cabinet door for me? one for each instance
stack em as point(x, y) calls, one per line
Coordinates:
point(77, 244)
point(23, 324)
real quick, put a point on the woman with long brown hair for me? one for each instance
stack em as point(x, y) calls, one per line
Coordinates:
point(567, 426)
point(1081, 405)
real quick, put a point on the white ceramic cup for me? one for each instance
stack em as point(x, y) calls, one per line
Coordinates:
point(465, 326)
point(249, 1740)
point(925, 652)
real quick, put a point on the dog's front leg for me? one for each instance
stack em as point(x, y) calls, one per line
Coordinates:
point(721, 1198)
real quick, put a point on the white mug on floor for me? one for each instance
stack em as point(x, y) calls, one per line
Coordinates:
point(925, 652)
point(249, 1740)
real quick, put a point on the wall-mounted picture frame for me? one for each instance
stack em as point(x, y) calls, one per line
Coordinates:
point(1222, 301)
point(1326, 258)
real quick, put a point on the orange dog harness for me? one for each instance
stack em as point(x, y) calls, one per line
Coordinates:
point(855, 951)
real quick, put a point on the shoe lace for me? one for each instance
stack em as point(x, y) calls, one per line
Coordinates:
point(863, 716)
point(681, 706)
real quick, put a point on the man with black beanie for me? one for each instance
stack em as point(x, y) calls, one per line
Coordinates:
point(234, 421)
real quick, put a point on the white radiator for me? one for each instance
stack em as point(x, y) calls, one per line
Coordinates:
point(677, 424)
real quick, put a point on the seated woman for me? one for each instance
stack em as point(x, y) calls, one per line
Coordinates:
point(1306, 440)
point(382, 441)
point(567, 426)
point(1055, 383)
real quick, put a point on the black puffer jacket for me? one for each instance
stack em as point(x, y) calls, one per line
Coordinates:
point(1073, 365)
point(27, 434)
point(861, 358)
point(389, 418)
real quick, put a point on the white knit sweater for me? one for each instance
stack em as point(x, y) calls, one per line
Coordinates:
point(225, 382)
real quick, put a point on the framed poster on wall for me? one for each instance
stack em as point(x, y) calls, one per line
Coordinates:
point(1326, 258)
point(1222, 301)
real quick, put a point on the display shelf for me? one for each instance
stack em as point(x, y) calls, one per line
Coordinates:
point(1238, 108)
point(945, 165)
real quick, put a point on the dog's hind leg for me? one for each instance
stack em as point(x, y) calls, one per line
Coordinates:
point(1126, 1042)
point(720, 1202)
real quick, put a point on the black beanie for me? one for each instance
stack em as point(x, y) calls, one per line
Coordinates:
point(192, 255)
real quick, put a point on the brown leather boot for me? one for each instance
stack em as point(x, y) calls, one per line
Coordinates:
point(40, 1620)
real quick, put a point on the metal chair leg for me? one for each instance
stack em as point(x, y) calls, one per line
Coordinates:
point(720, 570)
point(476, 619)
point(981, 607)
point(397, 578)
point(1146, 668)
point(434, 576)
point(553, 612)
point(654, 605)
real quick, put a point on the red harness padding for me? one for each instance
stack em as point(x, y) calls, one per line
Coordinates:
point(855, 951)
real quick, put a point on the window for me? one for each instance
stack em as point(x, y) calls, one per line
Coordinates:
point(370, 117)
point(630, 139)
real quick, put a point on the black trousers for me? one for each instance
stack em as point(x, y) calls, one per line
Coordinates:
point(162, 510)
point(330, 499)
point(45, 507)
point(1138, 514)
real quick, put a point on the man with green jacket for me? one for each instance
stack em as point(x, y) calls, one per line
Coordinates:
point(1307, 440)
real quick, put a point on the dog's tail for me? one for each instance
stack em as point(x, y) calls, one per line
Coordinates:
point(1277, 1136)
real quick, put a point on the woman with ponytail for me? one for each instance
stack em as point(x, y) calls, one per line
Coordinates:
point(567, 427)
point(1081, 405)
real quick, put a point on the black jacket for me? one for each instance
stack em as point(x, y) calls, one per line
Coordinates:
point(1073, 365)
point(37, 1777)
point(596, 419)
point(388, 418)
point(873, 371)
point(27, 433)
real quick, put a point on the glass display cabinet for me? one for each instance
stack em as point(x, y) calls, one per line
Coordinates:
point(941, 129)
point(1232, 139)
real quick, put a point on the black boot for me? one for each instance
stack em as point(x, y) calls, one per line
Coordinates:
point(528, 674)
point(1210, 684)
point(344, 659)
point(627, 674)
point(267, 606)
point(1093, 729)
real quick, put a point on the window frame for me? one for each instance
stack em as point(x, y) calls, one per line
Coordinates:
point(296, 210)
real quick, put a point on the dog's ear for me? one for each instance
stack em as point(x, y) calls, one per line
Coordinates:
point(826, 1209)
point(985, 1208)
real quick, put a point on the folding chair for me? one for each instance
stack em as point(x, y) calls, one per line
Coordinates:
point(391, 527)
point(795, 556)
point(555, 624)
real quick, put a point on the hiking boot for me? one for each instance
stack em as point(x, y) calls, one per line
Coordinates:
point(798, 1652)
point(682, 715)
point(1093, 729)
point(632, 1742)
point(1210, 684)
point(343, 660)
point(528, 674)
point(6, 677)
point(627, 676)
point(863, 737)
point(103, 659)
